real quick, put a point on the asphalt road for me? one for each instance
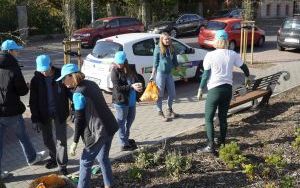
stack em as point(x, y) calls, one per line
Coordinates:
point(54, 48)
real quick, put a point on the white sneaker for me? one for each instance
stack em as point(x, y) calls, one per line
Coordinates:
point(39, 157)
point(5, 174)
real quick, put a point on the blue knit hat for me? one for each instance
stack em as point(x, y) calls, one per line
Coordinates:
point(43, 63)
point(120, 57)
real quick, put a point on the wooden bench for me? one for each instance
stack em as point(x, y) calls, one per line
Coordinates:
point(261, 87)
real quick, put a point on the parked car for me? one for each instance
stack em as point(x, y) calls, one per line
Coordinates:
point(288, 35)
point(106, 27)
point(228, 13)
point(139, 48)
point(186, 23)
point(233, 27)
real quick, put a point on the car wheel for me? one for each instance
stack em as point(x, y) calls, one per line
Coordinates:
point(280, 48)
point(173, 33)
point(261, 41)
point(232, 45)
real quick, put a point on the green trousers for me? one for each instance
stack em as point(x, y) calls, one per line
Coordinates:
point(217, 98)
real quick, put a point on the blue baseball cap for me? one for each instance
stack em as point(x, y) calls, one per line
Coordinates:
point(120, 57)
point(10, 45)
point(43, 63)
point(221, 35)
point(68, 69)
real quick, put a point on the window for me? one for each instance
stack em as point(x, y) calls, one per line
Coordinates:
point(214, 25)
point(144, 48)
point(278, 10)
point(193, 17)
point(183, 18)
point(106, 49)
point(236, 26)
point(268, 11)
point(113, 23)
point(287, 10)
point(128, 21)
point(179, 48)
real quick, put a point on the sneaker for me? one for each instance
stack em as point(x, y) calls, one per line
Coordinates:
point(4, 174)
point(220, 143)
point(63, 171)
point(128, 148)
point(131, 142)
point(39, 157)
point(171, 113)
point(162, 116)
point(51, 164)
point(207, 149)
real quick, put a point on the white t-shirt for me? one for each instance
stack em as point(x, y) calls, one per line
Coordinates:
point(221, 63)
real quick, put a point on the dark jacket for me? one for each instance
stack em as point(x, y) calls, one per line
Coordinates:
point(121, 88)
point(38, 98)
point(95, 121)
point(12, 86)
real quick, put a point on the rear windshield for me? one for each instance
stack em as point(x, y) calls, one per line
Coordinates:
point(106, 49)
point(214, 25)
point(292, 24)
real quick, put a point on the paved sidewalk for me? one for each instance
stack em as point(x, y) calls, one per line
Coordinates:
point(146, 130)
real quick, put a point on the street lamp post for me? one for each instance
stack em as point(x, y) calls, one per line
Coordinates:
point(92, 13)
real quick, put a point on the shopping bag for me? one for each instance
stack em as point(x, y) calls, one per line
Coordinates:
point(151, 93)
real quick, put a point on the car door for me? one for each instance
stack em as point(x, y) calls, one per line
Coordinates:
point(182, 24)
point(234, 33)
point(111, 28)
point(143, 57)
point(127, 25)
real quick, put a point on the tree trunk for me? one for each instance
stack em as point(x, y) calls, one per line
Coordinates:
point(145, 12)
point(69, 17)
point(111, 9)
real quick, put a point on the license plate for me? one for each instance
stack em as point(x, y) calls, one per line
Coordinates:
point(291, 40)
point(208, 41)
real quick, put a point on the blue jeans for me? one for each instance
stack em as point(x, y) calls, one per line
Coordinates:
point(16, 123)
point(165, 81)
point(125, 116)
point(99, 151)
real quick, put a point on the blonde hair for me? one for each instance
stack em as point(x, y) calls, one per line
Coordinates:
point(163, 48)
point(77, 78)
point(221, 44)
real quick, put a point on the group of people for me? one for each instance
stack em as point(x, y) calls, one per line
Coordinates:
point(52, 88)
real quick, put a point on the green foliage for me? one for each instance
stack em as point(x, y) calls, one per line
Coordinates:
point(8, 16)
point(176, 164)
point(276, 160)
point(231, 155)
point(287, 182)
point(249, 170)
point(248, 10)
point(144, 159)
point(135, 173)
point(296, 142)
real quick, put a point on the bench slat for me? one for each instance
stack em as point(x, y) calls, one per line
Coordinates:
point(248, 97)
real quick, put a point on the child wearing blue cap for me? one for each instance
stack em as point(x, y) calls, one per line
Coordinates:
point(13, 85)
point(50, 108)
point(124, 97)
point(217, 76)
point(94, 123)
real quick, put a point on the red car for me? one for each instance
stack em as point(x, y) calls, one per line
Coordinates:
point(233, 27)
point(106, 27)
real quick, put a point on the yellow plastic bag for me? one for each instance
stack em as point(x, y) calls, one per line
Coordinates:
point(151, 93)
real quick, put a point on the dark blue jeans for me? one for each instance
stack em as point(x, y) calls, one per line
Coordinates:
point(16, 123)
point(125, 116)
point(99, 151)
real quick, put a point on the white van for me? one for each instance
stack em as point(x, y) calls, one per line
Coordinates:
point(139, 49)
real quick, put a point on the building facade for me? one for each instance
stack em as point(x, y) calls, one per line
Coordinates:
point(277, 8)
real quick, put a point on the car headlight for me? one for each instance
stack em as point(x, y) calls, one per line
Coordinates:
point(85, 35)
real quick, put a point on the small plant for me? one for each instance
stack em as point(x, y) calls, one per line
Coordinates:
point(296, 142)
point(287, 182)
point(270, 185)
point(144, 159)
point(231, 155)
point(276, 160)
point(176, 164)
point(249, 170)
point(135, 173)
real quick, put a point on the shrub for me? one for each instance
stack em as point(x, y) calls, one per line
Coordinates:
point(231, 155)
point(276, 160)
point(249, 170)
point(135, 173)
point(287, 182)
point(176, 164)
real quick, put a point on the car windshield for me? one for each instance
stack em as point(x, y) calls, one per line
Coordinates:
point(214, 25)
point(106, 49)
point(99, 23)
point(292, 24)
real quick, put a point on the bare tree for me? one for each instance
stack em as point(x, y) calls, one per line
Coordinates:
point(69, 17)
